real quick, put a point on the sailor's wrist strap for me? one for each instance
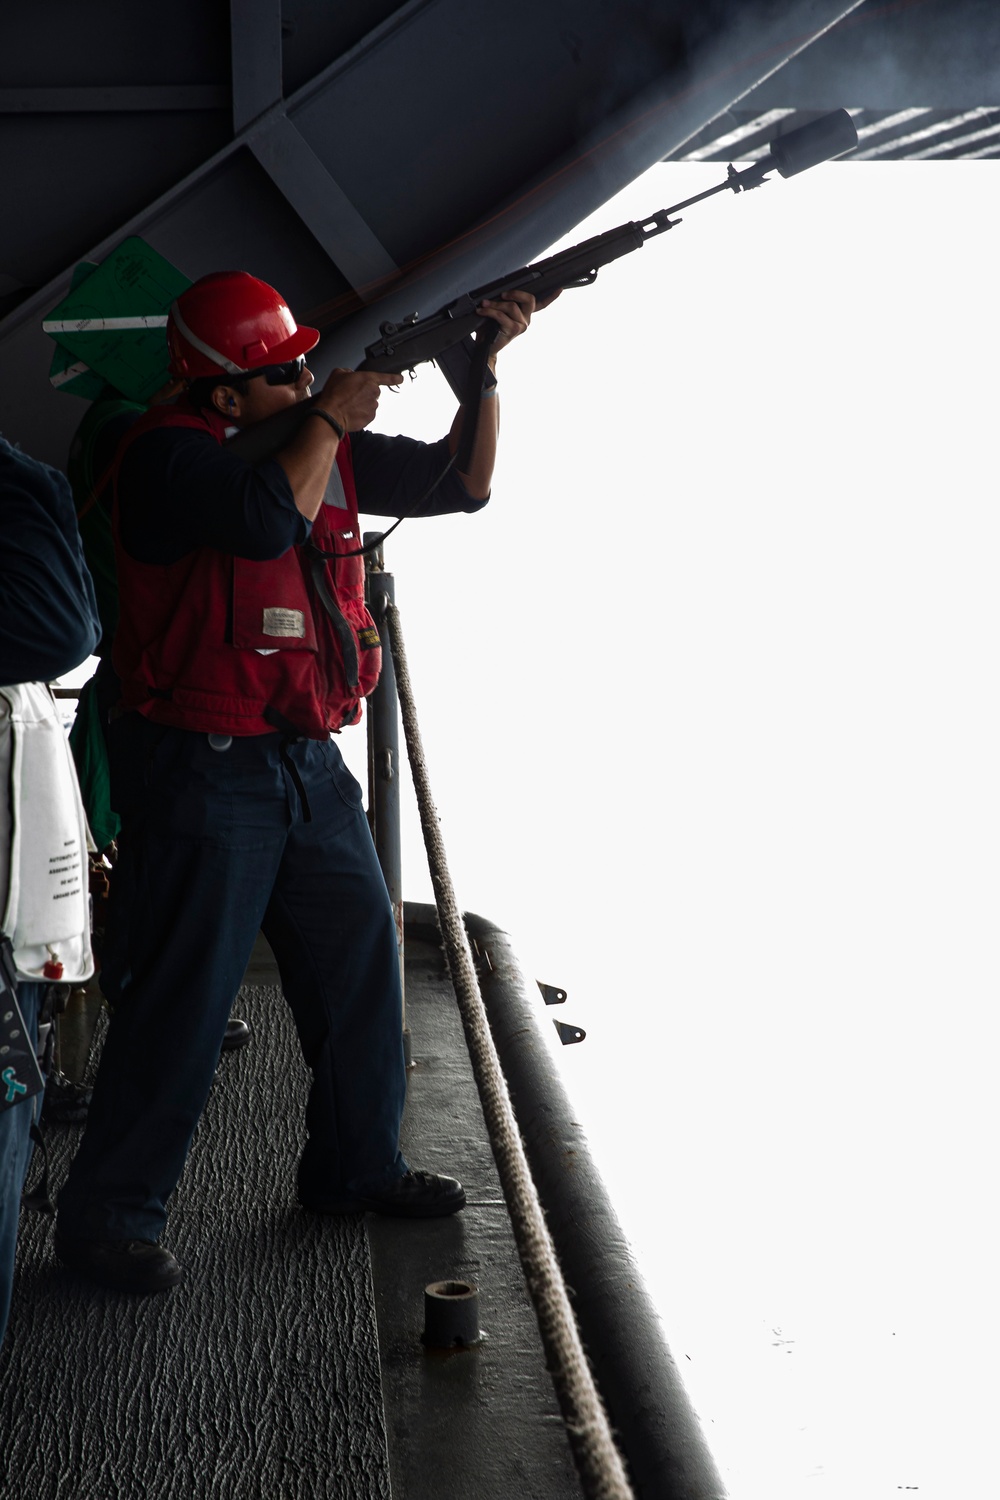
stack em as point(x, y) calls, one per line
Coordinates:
point(318, 411)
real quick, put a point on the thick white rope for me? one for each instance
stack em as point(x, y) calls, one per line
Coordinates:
point(598, 1462)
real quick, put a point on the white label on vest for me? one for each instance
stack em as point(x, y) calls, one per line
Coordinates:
point(335, 490)
point(290, 622)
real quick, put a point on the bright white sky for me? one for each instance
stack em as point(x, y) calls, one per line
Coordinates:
point(709, 700)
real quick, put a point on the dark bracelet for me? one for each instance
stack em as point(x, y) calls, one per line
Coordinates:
point(318, 412)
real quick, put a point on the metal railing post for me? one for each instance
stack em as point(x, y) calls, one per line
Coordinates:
point(384, 769)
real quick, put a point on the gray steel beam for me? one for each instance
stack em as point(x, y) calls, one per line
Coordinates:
point(256, 56)
point(320, 202)
point(98, 98)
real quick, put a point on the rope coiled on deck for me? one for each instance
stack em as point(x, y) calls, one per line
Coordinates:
point(598, 1462)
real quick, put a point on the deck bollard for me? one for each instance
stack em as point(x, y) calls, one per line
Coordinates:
point(451, 1315)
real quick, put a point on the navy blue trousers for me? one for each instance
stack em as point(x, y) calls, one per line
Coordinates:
point(15, 1154)
point(216, 845)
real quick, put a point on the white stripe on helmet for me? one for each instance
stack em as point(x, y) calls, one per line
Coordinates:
point(202, 347)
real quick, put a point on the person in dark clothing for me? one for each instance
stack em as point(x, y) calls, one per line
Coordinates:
point(48, 626)
point(243, 644)
point(91, 456)
point(89, 468)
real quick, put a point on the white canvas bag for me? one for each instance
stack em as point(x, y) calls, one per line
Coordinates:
point(44, 878)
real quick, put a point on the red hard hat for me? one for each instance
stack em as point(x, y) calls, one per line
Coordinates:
point(228, 323)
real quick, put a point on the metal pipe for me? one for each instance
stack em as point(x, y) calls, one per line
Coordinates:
point(651, 1413)
point(383, 759)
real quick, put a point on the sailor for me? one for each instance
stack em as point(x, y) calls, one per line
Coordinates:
point(89, 469)
point(48, 626)
point(243, 644)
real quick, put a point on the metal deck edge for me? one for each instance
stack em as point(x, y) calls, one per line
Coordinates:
point(482, 1420)
point(654, 1421)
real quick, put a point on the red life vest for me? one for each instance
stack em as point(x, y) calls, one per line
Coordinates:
point(191, 634)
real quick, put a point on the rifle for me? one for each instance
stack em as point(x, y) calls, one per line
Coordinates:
point(446, 336)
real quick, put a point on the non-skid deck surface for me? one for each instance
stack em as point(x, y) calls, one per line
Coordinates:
point(257, 1377)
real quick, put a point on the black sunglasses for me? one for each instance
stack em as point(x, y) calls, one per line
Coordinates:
point(287, 374)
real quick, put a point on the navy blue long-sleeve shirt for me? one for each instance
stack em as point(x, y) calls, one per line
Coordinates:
point(48, 614)
point(179, 489)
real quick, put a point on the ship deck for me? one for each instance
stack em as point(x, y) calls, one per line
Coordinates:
point(289, 1361)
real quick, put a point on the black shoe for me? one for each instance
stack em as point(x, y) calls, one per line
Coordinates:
point(417, 1195)
point(125, 1265)
point(237, 1035)
point(66, 1102)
